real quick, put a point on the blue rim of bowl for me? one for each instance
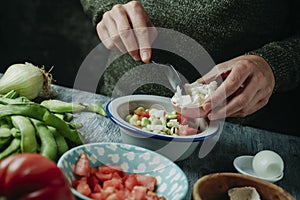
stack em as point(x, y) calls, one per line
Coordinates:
point(148, 134)
point(74, 191)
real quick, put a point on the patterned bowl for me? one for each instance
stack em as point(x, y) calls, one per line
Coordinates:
point(171, 181)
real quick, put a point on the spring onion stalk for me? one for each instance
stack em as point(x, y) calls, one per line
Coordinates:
point(27, 80)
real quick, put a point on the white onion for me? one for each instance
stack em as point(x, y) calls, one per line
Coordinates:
point(26, 79)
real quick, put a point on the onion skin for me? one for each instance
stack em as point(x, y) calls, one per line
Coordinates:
point(26, 79)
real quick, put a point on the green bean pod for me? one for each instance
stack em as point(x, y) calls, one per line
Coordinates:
point(96, 108)
point(18, 100)
point(36, 111)
point(58, 106)
point(68, 117)
point(14, 147)
point(15, 132)
point(27, 130)
point(5, 137)
point(63, 127)
point(62, 145)
point(48, 144)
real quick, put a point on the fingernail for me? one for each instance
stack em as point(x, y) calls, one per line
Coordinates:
point(206, 106)
point(136, 57)
point(145, 56)
point(209, 116)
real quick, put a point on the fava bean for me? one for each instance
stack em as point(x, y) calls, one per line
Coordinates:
point(58, 106)
point(27, 130)
point(5, 137)
point(62, 145)
point(41, 113)
point(145, 121)
point(48, 143)
point(14, 147)
point(171, 116)
point(94, 107)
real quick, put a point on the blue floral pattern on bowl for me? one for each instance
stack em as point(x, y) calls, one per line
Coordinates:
point(171, 180)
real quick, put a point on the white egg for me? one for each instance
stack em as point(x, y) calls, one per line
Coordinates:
point(267, 164)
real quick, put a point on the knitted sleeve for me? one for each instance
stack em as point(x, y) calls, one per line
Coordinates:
point(284, 59)
point(284, 56)
point(96, 8)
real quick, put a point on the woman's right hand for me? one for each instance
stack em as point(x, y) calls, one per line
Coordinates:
point(128, 28)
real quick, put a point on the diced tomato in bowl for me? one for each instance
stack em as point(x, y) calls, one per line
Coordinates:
point(115, 171)
point(110, 182)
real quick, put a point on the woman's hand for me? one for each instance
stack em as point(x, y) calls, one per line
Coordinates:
point(248, 83)
point(127, 27)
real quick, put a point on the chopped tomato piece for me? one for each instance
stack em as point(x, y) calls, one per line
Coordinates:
point(186, 130)
point(147, 181)
point(139, 193)
point(96, 196)
point(82, 167)
point(121, 194)
point(84, 188)
point(111, 183)
point(131, 181)
point(97, 188)
point(107, 192)
point(115, 183)
point(92, 180)
point(103, 177)
point(107, 169)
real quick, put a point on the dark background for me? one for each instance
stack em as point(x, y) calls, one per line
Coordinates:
point(46, 32)
point(58, 33)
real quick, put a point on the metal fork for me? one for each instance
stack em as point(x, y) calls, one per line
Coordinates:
point(173, 76)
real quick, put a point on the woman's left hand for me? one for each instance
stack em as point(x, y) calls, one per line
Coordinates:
point(248, 83)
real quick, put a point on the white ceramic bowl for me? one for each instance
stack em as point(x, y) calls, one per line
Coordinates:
point(174, 147)
point(171, 181)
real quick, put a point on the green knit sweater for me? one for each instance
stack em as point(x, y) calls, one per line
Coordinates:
point(226, 29)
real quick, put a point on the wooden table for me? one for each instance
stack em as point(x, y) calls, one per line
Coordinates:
point(235, 140)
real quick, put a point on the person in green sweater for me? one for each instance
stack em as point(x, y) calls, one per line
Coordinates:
point(255, 45)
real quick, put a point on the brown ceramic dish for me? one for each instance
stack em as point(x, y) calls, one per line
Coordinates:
point(215, 187)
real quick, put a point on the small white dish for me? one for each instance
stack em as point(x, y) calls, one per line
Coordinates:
point(243, 164)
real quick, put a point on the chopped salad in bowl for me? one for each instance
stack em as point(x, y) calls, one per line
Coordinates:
point(150, 121)
point(166, 123)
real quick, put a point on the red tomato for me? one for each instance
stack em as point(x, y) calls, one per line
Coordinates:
point(103, 177)
point(182, 120)
point(97, 188)
point(141, 113)
point(186, 130)
point(84, 188)
point(131, 181)
point(192, 131)
point(106, 169)
point(115, 183)
point(31, 176)
point(139, 193)
point(82, 167)
point(109, 182)
point(92, 180)
point(96, 196)
point(146, 181)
